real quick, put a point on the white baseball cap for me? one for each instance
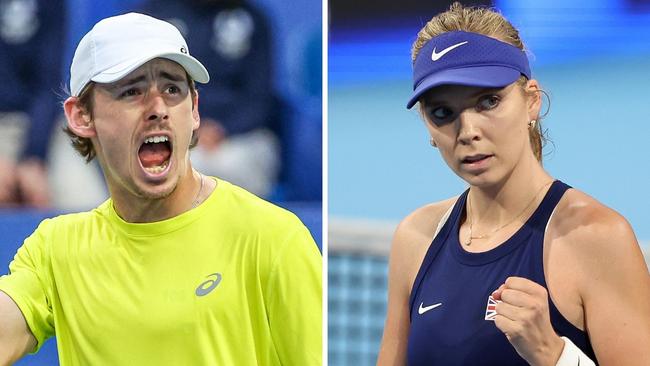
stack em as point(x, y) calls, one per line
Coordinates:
point(118, 45)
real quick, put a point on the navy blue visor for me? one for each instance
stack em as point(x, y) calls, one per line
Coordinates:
point(463, 58)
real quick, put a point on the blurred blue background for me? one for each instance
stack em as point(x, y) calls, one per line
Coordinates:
point(591, 57)
point(296, 31)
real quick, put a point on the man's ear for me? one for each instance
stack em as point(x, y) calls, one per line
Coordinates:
point(534, 93)
point(79, 120)
point(195, 112)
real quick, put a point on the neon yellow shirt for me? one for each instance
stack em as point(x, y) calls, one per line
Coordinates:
point(235, 281)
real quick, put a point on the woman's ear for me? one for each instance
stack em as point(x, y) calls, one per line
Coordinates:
point(534, 94)
point(79, 120)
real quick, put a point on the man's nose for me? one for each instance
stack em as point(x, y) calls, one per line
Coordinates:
point(156, 106)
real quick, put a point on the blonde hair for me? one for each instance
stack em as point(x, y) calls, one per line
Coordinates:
point(483, 21)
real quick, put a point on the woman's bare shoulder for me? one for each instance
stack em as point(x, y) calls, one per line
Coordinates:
point(585, 219)
point(415, 232)
point(423, 221)
point(594, 237)
point(411, 241)
point(597, 253)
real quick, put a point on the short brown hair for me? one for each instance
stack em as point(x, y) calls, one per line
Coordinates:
point(83, 145)
point(483, 21)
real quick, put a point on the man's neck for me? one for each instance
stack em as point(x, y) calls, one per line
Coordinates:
point(189, 191)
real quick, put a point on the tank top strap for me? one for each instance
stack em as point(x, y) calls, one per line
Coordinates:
point(540, 220)
point(437, 244)
point(547, 206)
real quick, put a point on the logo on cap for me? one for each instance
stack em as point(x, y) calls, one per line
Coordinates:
point(184, 50)
point(436, 56)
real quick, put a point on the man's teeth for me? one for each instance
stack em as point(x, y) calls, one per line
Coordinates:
point(156, 139)
point(157, 168)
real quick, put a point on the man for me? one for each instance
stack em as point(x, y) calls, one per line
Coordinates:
point(234, 41)
point(176, 268)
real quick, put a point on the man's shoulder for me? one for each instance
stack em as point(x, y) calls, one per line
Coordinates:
point(74, 220)
point(252, 209)
point(269, 227)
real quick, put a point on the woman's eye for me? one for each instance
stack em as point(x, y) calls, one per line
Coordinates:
point(440, 113)
point(488, 102)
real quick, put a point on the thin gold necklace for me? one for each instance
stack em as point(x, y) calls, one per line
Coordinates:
point(469, 209)
point(196, 202)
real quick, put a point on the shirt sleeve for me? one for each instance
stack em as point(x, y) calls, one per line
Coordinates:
point(295, 301)
point(26, 284)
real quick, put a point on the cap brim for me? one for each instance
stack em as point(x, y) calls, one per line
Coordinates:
point(480, 76)
point(194, 68)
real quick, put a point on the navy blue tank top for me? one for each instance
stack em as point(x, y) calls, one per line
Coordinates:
point(449, 302)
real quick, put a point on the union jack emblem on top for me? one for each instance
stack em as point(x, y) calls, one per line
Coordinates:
point(491, 308)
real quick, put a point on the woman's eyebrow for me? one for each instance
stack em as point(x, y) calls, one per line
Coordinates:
point(486, 90)
point(441, 100)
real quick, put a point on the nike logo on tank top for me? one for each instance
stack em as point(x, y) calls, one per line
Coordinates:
point(462, 332)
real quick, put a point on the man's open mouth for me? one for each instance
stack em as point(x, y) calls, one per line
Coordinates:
point(154, 154)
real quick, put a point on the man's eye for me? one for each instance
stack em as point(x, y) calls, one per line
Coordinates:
point(129, 93)
point(173, 89)
point(488, 102)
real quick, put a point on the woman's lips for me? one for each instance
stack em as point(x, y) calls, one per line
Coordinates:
point(476, 162)
point(475, 158)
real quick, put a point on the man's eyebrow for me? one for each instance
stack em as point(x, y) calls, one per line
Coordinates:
point(127, 82)
point(172, 76)
point(137, 79)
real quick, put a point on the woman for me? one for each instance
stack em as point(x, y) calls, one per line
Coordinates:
point(522, 269)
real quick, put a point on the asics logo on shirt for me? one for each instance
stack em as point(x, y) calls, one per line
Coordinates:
point(209, 285)
point(436, 56)
point(423, 309)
